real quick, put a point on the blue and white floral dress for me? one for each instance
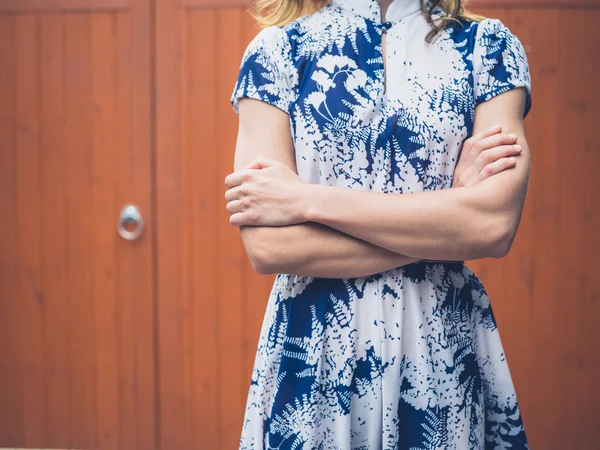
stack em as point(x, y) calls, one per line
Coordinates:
point(409, 358)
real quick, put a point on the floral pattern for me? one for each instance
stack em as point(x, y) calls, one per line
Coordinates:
point(409, 358)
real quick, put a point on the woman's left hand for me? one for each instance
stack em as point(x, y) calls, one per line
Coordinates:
point(266, 193)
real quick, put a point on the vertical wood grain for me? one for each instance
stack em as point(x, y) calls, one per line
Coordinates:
point(567, 358)
point(200, 144)
point(12, 420)
point(31, 296)
point(589, 398)
point(187, 233)
point(80, 253)
point(103, 48)
point(174, 401)
point(136, 260)
point(54, 234)
point(576, 110)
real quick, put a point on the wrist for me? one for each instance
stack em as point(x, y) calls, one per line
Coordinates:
point(311, 202)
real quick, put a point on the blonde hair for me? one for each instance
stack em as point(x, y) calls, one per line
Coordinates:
point(281, 12)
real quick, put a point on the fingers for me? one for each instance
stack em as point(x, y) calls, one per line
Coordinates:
point(238, 220)
point(255, 164)
point(496, 167)
point(235, 206)
point(261, 162)
point(467, 155)
point(495, 153)
point(235, 193)
point(236, 178)
point(495, 141)
point(244, 175)
point(244, 218)
point(486, 133)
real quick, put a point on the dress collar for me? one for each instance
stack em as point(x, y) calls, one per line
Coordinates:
point(369, 9)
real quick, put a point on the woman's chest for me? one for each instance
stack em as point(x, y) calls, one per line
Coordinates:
point(384, 111)
point(384, 80)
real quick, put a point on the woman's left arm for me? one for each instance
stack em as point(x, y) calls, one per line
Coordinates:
point(462, 223)
point(452, 224)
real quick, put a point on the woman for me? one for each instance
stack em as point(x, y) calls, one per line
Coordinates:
point(349, 186)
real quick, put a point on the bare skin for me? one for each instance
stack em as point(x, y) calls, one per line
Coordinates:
point(383, 7)
point(289, 226)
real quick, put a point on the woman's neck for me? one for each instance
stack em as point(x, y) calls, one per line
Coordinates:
point(383, 7)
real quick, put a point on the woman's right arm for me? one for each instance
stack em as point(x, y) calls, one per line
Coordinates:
point(307, 249)
point(316, 251)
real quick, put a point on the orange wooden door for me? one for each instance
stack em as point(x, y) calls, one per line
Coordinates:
point(76, 317)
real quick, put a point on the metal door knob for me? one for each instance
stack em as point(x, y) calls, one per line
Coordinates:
point(130, 217)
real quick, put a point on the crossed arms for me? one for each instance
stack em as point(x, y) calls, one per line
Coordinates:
point(289, 226)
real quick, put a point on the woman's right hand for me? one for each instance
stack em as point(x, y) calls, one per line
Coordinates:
point(484, 155)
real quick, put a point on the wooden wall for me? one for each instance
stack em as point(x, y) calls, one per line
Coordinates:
point(110, 344)
point(545, 293)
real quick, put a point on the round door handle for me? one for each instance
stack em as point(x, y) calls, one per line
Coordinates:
point(130, 217)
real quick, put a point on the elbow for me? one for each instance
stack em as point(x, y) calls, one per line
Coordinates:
point(262, 263)
point(260, 252)
point(499, 237)
point(501, 247)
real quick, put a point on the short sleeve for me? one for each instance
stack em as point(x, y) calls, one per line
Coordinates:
point(266, 72)
point(499, 63)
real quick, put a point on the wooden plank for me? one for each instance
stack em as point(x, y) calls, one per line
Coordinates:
point(174, 432)
point(587, 398)
point(186, 231)
point(39, 6)
point(104, 209)
point(135, 260)
point(570, 351)
point(54, 235)
point(77, 145)
point(200, 149)
point(126, 148)
point(11, 381)
point(31, 295)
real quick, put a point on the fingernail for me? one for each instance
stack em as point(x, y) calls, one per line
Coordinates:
point(512, 160)
point(512, 136)
point(517, 147)
point(496, 128)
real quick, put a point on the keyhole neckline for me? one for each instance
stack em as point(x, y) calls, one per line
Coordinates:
point(370, 10)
